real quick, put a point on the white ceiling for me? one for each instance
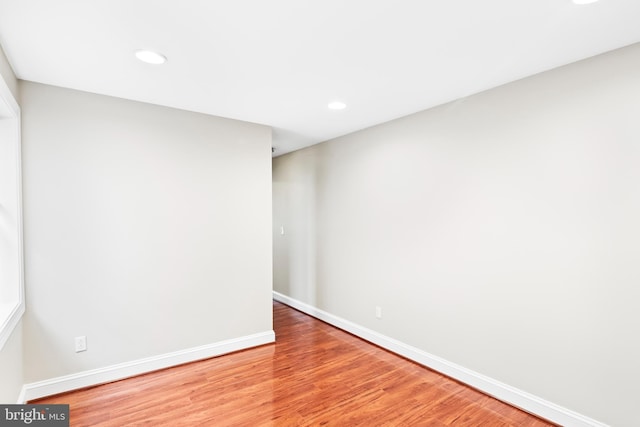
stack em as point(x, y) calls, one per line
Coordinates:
point(279, 62)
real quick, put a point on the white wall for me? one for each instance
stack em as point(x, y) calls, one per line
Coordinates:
point(146, 229)
point(11, 367)
point(499, 232)
point(11, 352)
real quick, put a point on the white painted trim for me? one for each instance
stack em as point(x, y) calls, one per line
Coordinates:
point(8, 104)
point(9, 109)
point(11, 320)
point(141, 366)
point(21, 397)
point(501, 391)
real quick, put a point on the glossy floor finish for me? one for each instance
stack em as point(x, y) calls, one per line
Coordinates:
point(314, 375)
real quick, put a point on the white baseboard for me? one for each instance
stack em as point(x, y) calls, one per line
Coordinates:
point(21, 396)
point(141, 366)
point(504, 392)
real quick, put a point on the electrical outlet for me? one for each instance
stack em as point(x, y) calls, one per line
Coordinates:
point(81, 344)
point(378, 312)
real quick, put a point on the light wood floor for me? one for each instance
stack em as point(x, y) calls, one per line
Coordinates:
point(314, 375)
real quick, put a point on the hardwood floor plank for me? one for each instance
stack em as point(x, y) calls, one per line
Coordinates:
point(314, 375)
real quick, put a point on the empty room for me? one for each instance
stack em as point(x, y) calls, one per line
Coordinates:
point(295, 213)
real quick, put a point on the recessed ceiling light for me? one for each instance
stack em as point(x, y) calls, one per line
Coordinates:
point(151, 57)
point(584, 1)
point(337, 105)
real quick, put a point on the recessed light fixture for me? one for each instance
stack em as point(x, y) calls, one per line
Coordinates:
point(337, 105)
point(151, 57)
point(584, 1)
